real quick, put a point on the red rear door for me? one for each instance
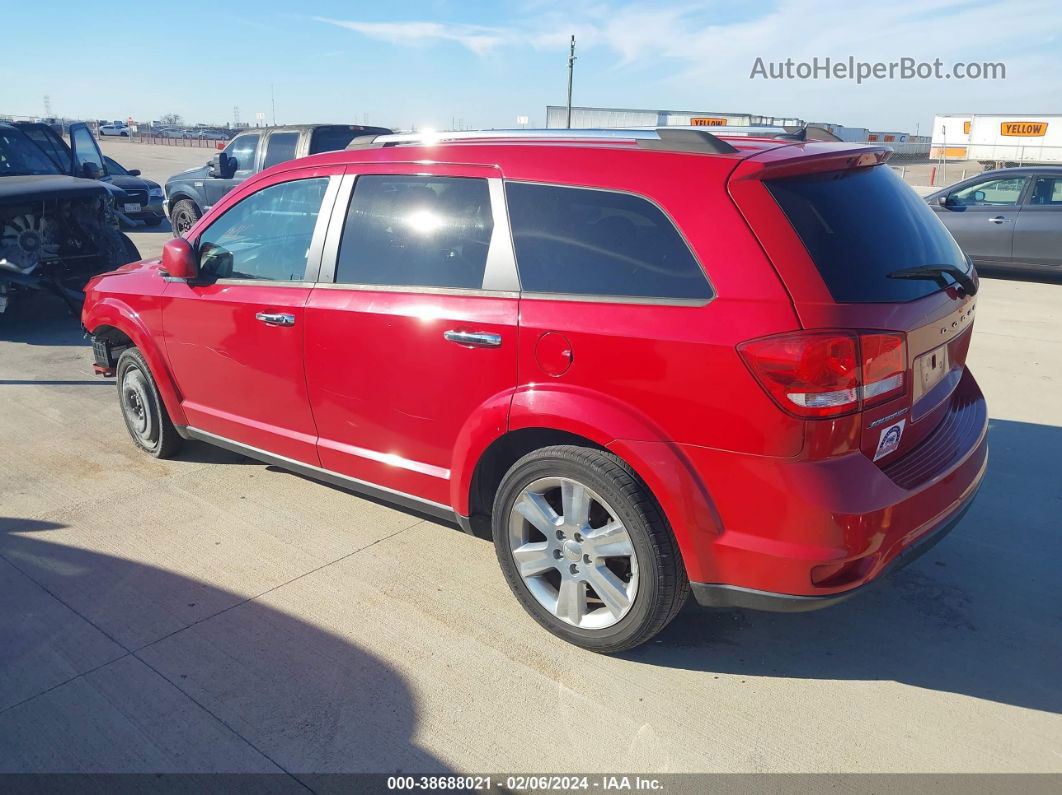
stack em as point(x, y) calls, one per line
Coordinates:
point(411, 336)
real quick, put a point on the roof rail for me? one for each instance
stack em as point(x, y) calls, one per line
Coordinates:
point(667, 138)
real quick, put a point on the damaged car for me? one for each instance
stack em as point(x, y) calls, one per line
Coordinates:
point(58, 228)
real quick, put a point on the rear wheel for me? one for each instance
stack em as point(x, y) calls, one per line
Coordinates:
point(183, 216)
point(142, 408)
point(586, 550)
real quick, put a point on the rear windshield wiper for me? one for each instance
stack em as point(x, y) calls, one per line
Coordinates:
point(937, 273)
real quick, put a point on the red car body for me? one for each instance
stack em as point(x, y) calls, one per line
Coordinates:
point(770, 509)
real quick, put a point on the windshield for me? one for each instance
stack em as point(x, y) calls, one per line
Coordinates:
point(861, 225)
point(19, 156)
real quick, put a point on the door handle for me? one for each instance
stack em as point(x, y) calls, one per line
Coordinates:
point(276, 318)
point(998, 219)
point(473, 339)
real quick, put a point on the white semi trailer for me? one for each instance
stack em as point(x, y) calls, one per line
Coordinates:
point(997, 140)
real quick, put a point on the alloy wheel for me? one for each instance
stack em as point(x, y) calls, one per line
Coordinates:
point(573, 553)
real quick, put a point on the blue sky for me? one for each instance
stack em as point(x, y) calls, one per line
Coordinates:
point(483, 63)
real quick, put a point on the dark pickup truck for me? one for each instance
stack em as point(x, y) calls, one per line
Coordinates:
point(191, 193)
point(58, 224)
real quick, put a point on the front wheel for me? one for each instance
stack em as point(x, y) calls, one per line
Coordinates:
point(586, 550)
point(183, 216)
point(144, 412)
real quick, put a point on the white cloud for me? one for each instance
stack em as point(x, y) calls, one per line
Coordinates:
point(480, 39)
point(708, 49)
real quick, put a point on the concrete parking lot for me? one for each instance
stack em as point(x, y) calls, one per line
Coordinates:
point(212, 614)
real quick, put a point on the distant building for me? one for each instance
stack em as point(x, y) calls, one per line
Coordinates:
point(582, 117)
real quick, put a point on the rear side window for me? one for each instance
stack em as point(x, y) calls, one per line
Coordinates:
point(416, 232)
point(280, 147)
point(580, 241)
point(861, 225)
point(331, 139)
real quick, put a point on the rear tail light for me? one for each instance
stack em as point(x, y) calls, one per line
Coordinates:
point(817, 374)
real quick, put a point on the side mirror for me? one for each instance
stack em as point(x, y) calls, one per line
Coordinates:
point(90, 171)
point(222, 166)
point(943, 200)
point(178, 259)
point(134, 172)
point(979, 196)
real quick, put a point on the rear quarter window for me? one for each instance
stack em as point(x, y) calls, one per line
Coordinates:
point(859, 226)
point(582, 241)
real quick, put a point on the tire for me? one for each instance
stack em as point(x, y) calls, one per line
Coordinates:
point(144, 413)
point(130, 253)
point(636, 564)
point(182, 215)
point(153, 222)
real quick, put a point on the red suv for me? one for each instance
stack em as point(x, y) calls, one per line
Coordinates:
point(643, 362)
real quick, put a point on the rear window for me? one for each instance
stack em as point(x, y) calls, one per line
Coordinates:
point(861, 225)
point(331, 139)
point(580, 241)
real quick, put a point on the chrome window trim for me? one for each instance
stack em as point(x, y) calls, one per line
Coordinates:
point(621, 299)
point(336, 222)
point(416, 289)
point(500, 272)
point(259, 283)
point(618, 299)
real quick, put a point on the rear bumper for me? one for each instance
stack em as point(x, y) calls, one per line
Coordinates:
point(731, 596)
point(798, 534)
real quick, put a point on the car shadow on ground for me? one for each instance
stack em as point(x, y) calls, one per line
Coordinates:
point(979, 615)
point(39, 318)
point(307, 700)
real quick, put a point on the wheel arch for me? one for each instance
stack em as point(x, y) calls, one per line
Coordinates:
point(541, 417)
point(119, 322)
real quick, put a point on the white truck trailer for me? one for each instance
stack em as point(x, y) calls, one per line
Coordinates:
point(997, 140)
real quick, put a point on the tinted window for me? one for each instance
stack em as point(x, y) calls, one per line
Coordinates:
point(243, 148)
point(993, 193)
point(280, 147)
point(20, 156)
point(1047, 191)
point(52, 145)
point(331, 139)
point(416, 231)
point(594, 242)
point(265, 236)
point(861, 225)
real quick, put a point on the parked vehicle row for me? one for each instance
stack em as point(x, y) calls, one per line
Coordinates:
point(644, 363)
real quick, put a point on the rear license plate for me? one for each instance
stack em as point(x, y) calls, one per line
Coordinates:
point(931, 368)
point(132, 208)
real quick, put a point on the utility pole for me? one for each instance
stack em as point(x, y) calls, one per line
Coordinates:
point(273, 99)
point(571, 68)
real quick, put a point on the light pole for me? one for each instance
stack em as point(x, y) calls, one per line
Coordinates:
point(571, 68)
